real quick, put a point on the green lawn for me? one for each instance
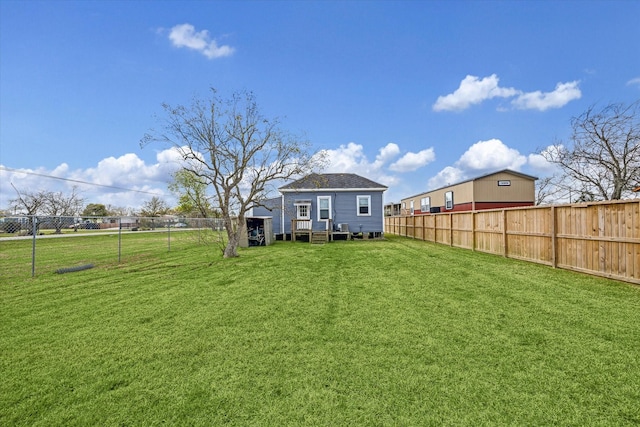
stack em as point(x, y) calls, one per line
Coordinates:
point(394, 332)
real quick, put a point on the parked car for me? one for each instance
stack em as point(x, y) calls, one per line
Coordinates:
point(179, 225)
point(85, 225)
point(11, 227)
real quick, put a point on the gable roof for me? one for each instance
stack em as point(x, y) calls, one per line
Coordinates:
point(332, 182)
point(512, 172)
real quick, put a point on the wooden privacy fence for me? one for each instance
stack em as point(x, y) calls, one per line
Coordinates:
point(600, 238)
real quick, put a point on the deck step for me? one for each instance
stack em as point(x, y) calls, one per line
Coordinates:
point(319, 238)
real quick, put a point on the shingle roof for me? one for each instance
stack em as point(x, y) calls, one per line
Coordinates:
point(334, 181)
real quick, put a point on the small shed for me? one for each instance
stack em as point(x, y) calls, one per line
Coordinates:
point(259, 232)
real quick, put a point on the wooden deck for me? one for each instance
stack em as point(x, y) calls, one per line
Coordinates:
point(304, 228)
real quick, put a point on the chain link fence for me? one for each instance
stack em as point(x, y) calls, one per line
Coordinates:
point(31, 245)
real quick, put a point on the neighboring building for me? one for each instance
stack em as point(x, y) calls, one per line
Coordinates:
point(335, 203)
point(392, 209)
point(502, 189)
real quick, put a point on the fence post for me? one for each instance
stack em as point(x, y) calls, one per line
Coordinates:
point(435, 228)
point(119, 239)
point(504, 234)
point(554, 238)
point(473, 230)
point(34, 227)
point(451, 229)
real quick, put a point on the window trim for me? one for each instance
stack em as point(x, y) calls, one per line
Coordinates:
point(328, 198)
point(366, 197)
point(411, 210)
point(425, 204)
point(448, 200)
point(303, 206)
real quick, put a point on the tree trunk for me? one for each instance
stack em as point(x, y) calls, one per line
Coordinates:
point(233, 234)
point(231, 250)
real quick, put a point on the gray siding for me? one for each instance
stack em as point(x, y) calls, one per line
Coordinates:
point(273, 209)
point(344, 210)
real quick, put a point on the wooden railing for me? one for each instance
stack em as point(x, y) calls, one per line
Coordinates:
point(301, 227)
point(601, 238)
point(301, 224)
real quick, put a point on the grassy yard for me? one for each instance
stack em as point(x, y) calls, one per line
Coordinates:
point(394, 332)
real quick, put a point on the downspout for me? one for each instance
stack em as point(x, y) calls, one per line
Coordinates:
point(284, 232)
point(333, 208)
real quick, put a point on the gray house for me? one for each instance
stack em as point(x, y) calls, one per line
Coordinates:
point(325, 207)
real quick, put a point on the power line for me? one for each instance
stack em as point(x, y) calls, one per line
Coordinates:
point(74, 180)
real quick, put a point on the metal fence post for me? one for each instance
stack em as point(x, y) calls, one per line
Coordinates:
point(33, 248)
point(119, 239)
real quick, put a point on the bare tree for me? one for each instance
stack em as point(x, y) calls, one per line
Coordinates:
point(48, 203)
point(547, 190)
point(119, 211)
point(236, 151)
point(154, 207)
point(28, 203)
point(58, 205)
point(603, 160)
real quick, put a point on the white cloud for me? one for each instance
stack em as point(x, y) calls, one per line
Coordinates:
point(351, 158)
point(346, 158)
point(481, 157)
point(412, 161)
point(447, 176)
point(472, 90)
point(123, 171)
point(129, 181)
point(539, 163)
point(491, 154)
point(388, 152)
point(185, 35)
point(562, 95)
point(125, 181)
point(634, 82)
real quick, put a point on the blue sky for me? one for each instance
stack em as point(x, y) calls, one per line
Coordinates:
point(414, 95)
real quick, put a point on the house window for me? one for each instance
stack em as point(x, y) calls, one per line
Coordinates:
point(324, 208)
point(448, 200)
point(303, 211)
point(411, 207)
point(364, 205)
point(425, 204)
